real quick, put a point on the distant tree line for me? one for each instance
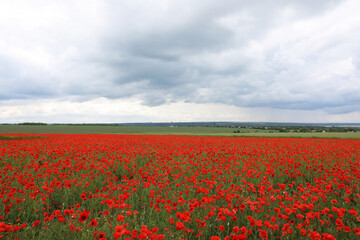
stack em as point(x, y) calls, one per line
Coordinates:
point(62, 124)
point(310, 129)
point(88, 124)
point(32, 123)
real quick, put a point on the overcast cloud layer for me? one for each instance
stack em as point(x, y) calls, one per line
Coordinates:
point(292, 56)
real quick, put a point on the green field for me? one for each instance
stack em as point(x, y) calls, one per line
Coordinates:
point(206, 131)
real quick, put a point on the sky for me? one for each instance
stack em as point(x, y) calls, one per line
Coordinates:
point(114, 61)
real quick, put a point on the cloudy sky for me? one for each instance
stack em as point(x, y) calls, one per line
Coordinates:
point(185, 60)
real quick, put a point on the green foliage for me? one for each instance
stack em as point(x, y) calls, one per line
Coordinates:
point(7, 137)
point(33, 123)
point(307, 132)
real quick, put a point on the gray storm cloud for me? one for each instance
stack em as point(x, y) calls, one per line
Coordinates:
point(289, 55)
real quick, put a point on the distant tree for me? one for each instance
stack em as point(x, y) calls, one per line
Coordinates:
point(32, 123)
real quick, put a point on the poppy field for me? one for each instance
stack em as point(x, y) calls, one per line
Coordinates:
point(93, 186)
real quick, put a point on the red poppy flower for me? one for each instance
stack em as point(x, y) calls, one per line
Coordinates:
point(36, 223)
point(240, 237)
point(180, 226)
point(263, 234)
point(83, 216)
point(315, 235)
point(120, 218)
point(93, 223)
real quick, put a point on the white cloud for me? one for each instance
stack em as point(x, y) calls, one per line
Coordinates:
point(101, 110)
point(283, 56)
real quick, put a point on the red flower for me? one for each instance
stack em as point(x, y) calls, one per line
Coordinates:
point(259, 223)
point(36, 223)
point(180, 226)
point(134, 233)
point(252, 222)
point(120, 218)
point(119, 231)
point(61, 218)
point(327, 236)
point(240, 237)
point(288, 211)
point(339, 222)
point(263, 234)
point(83, 216)
point(142, 236)
point(353, 212)
point(83, 196)
point(161, 237)
point(99, 235)
point(315, 235)
point(93, 223)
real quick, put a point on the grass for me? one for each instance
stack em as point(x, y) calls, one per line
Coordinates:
point(116, 129)
point(205, 131)
point(7, 137)
point(345, 135)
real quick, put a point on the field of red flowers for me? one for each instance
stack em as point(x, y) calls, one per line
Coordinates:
point(69, 186)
